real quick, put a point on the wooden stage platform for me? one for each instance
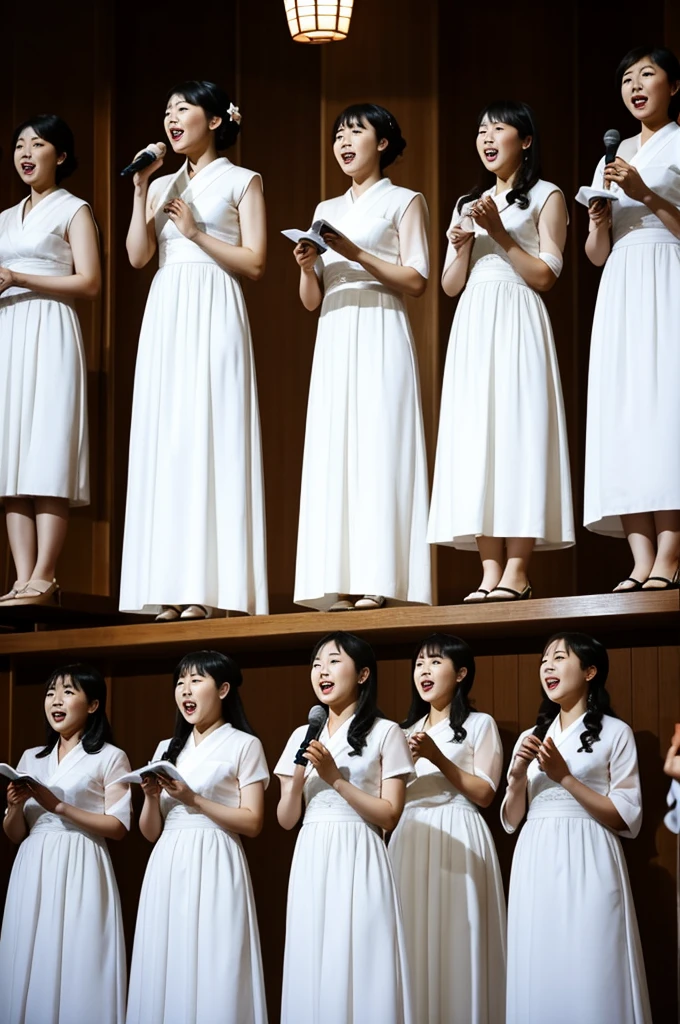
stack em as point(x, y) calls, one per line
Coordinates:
point(619, 620)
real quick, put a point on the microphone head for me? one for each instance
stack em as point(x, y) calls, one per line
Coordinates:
point(317, 716)
point(611, 139)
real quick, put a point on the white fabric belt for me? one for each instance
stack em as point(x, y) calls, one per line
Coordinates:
point(52, 823)
point(190, 821)
point(557, 809)
point(328, 815)
point(645, 236)
point(493, 268)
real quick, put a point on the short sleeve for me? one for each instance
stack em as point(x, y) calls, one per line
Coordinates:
point(672, 819)
point(624, 782)
point(24, 762)
point(545, 189)
point(248, 178)
point(252, 765)
point(286, 764)
point(395, 755)
point(117, 798)
point(413, 245)
point(76, 207)
point(488, 751)
point(598, 177)
point(520, 740)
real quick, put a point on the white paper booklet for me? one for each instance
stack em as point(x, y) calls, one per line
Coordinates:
point(155, 768)
point(13, 775)
point(585, 195)
point(313, 234)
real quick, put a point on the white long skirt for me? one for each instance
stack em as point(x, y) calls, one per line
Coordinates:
point(345, 960)
point(364, 498)
point(453, 906)
point(62, 953)
point(633, 425)
point(502, 464)
point(194, 523)
point(571, 910)
point(43, 401)
point(196, 956)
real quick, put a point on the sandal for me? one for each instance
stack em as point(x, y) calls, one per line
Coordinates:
point(471, 599)
point(369, 601)
point(618, 589)
point(14, 592)
point(37, 592)
point(515, 595)
point(193, 612)
point(673, 584)
point(342, 605)
point(170, 613)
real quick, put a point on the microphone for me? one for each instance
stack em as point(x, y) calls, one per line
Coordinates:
point(611, 141)
point(316, 720)
point(153, 152)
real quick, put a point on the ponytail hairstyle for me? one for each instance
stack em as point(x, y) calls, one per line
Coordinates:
point(444, 645)
point(591, 654)
point(55, 131)
point(521, 117)
point(97, 730)
point(223, 670)
point(384, 123)
point(367, 710)
point(664, 59)
point(216, 103)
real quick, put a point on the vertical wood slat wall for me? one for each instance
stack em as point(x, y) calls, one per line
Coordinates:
point(425, 61)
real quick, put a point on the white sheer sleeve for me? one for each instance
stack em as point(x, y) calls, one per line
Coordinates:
point(414, 249)
point(117, 799)
point(252, 764)
point(286, 764)
point(624, 781)
point(488, 750)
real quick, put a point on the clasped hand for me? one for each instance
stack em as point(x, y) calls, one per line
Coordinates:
point(627, 178)
point(6, 279)
point(322, 759)
point(546, 753)
point(181, 216)
point(485, 213)
point(421, 744)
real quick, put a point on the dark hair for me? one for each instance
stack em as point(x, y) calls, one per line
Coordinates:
point(55, 131)
point(520, 116)
point(384, 123)
point(664, 59)
point(456, 650)
point(215, 103)
point(367, 710)
point(223, 670)
point(97, 730)
point(591, 654)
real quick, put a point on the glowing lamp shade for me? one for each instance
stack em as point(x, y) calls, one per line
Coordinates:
point(320, 22)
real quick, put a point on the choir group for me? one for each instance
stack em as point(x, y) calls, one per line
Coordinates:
point(414, 932)
point(502, 479)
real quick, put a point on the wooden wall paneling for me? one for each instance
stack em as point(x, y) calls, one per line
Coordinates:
point(620, 683)
point(280, 138)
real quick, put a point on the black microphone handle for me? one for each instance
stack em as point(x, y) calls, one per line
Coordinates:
point(313, 732)
point(142, 161)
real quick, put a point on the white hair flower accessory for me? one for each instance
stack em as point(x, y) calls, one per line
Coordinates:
point(234, 113)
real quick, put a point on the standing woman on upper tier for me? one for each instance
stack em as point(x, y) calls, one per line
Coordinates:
point(574, 949)
point(502, 480)
point(49, 257)
point(632, 474)
point(194, 524)
point(363, 507)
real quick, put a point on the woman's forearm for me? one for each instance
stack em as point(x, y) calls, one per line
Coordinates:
point(515, 803)
point(151, 819)
point(598, 244)
point(104, 825)
point(289, 809)
point(471, 786)
point(141, 237)
point(375, 809)
point(456, 272)
point(405, 280)
point(14, 825)
point(235, 259)
point(75, 286)
point(535, 272)
point(241, 820)
point(601, 807)
point(311, 294)
point(668, 214)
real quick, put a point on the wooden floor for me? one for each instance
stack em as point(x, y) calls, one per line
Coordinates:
point(619, 620)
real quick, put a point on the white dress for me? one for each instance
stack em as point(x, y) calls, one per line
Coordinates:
point(196, 956)
point(633, 425)
point(194, 523)
point(43, 375)
point(450, 884)
point(364, 498)
point(62, 952)
point(345, 960)
point(502, 463)
point(574, 949)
